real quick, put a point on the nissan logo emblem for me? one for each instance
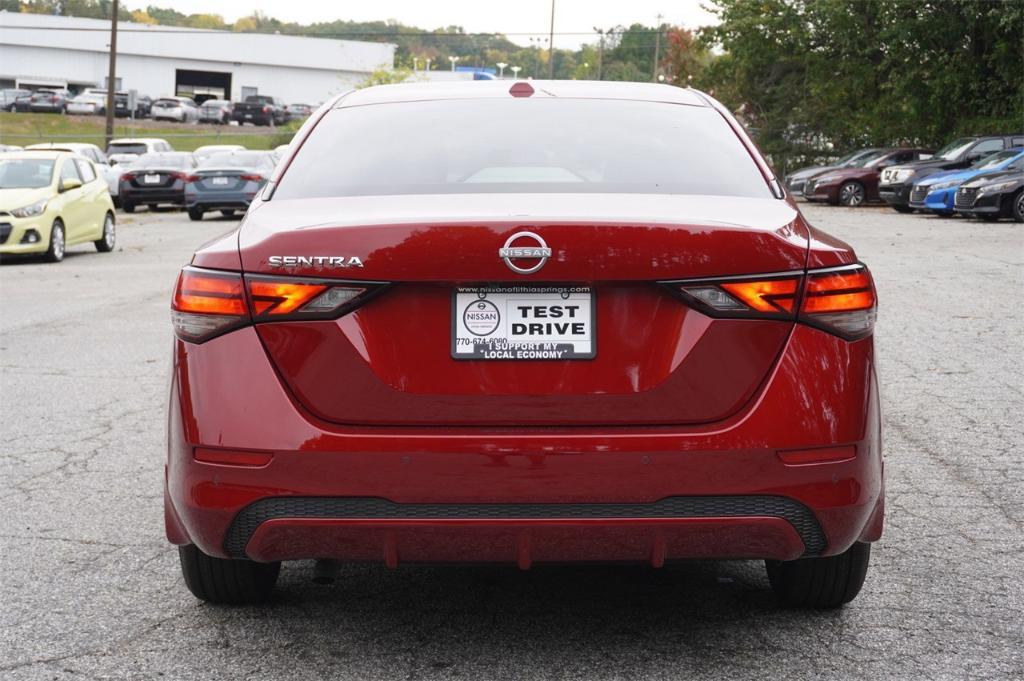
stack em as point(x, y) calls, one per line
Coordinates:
point(535, 249)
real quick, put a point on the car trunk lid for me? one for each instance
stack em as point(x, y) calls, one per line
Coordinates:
point(654, 360)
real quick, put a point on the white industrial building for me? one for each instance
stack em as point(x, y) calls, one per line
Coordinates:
point(44, 50)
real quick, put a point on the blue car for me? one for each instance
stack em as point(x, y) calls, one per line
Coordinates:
point(936, 192)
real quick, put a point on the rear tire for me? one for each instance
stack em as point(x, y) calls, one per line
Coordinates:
point(902, 209)
point(222, 580)
point(822, 583)
point(128, 207)
point(1018, 206)
point(105, 244)
point(195, 214)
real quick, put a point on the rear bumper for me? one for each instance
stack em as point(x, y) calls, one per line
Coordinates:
point(218, 200)
point(395, 494)
point(137, 196)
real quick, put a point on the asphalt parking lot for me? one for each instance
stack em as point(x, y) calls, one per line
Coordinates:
point(91, 589)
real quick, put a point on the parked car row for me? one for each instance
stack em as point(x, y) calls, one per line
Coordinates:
point(91, 101)
point(255, 109)
point(979, 176)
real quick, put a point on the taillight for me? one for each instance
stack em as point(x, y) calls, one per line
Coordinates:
point(275, 298)
point(184, 177)
point(208, 303)
point(254, 177)
point(266, 109)
point(839, 300)
point(771, 296)
point(128, 177)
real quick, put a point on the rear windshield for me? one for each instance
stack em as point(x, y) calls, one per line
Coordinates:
point(25, 173)
point(522, 145)
point(175, 160)
point(126, 149)
point(242, 159)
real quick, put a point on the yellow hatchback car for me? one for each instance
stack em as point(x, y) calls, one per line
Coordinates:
point(50, 200)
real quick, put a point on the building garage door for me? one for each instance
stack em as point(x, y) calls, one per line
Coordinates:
point(202, 85)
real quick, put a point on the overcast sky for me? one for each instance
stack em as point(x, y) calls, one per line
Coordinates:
point(512, 16)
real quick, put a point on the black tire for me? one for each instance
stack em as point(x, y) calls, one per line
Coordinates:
point(107, 240)
point(58, 242)
point(128, 207)
point(822, 583)
point(852, 194)
point(901, 208)
point(221, 580)
point(195, 214)
point(1018, 206)
point(228, 213)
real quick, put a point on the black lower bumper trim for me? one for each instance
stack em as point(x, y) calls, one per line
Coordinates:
point(790, 510)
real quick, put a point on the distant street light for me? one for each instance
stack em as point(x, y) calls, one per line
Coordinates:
point(453, 59)
point(428, 63)
point(515, 71)
point(415, 62)
point(501, 69)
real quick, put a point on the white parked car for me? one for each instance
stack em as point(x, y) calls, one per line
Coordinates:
point(210, 149)
point(120, 148)
point(180, 109)
point(88, 105)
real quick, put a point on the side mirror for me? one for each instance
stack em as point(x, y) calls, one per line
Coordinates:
point(69, 184)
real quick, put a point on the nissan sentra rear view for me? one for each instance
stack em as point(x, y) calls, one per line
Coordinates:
point(555, 322)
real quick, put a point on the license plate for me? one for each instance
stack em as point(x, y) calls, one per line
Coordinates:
point(523, 323)
point(248, 115)
point(151, 179)
point(220, 181)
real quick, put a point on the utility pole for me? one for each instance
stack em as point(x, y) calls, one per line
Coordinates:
point(112, 76)
point(551, 44)
point(600, 50)
point(657, 48)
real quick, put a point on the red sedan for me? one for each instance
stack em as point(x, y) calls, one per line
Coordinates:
point(558, 321)
point(856, 185)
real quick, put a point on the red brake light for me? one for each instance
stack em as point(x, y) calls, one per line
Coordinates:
point(841, 301)
point(838, 300)
point(771, 296)
point(278, 298)
point(206, 304)
point(128, 176)
point(266, 109)
point(255, 177)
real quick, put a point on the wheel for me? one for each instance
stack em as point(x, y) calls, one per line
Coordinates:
point(105, 244)
point(228, 213)
point(900, 208)
point(820, 582)
point(128, 207)
point(221, 580)
point(195, 214)
point(1018, 206)
point(852, 194)
point(55, 253)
